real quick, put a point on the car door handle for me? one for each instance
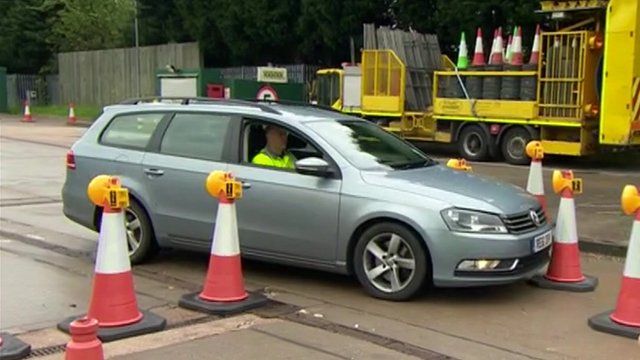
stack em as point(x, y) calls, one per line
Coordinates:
point(245, 185)
point(154, 172)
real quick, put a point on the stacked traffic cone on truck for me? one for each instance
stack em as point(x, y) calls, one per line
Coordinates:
point(625, 319)
point(463, 53)
point(565, 271)
point(113, 300)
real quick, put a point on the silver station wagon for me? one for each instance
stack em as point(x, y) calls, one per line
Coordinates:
point(331, 192)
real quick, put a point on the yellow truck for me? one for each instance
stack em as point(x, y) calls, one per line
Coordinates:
point(584, 91)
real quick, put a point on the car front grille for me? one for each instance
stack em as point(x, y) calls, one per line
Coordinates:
point(522, 223)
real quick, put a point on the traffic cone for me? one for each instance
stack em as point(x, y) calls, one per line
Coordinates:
point(516, 50)
point(493, 46)
point(535, 182)
point(72, 115)
point(625, 319)
point(223, 292)
point(535, 49)
point(13, 348)
point(27, 112)
point(113, 300)
point(507, 57)
point(463, 53)
point(564, 272)
point(84, 344)
point(478, 52)
point(496, 57)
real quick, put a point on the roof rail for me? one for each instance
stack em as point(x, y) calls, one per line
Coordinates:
point(294, 102)
point(198, 100)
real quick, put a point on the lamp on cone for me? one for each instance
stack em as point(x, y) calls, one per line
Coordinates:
point(535, 49)
point(223, 292)
point(459, 164)
point(625, 319)
point(565, 272)
point(27, 112)
point(13, 348)
point(463, 53)
point(113, 300)
point(535, 182)
point(478, 52)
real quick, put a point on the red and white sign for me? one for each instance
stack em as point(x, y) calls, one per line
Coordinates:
point(266, 92)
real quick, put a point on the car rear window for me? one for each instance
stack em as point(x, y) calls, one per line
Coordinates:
point(132, 130)
point(200, 136)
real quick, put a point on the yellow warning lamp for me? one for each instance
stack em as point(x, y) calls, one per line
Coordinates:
point(459, 164)
point(563, 179)
point(107, 191)
point(535, 150)
point(596, 42)
point(223, 185)
point(630, 200)
point(591, 110)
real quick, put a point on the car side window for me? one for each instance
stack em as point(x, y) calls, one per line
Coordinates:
point(132, 130)
point(195, 135)
point(255, 140)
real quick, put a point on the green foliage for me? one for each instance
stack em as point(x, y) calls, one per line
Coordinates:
point(90, 24)
point(241, 32)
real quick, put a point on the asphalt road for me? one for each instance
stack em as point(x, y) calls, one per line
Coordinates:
point(45, 272)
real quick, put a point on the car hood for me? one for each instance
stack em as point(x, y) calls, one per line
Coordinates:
point(459, 189)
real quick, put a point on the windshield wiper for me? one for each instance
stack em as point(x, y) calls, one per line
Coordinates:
point(413, 164)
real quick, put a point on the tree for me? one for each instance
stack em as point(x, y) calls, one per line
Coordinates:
point(23, 31)
point(90, 25)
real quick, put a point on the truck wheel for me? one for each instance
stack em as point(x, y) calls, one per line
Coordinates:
point(390, 262)
point(473, 143)
point(514, 143)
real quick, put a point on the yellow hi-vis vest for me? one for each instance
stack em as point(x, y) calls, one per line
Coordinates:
point(263, 158)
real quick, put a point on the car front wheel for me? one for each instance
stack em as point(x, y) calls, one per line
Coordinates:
point(390, 262)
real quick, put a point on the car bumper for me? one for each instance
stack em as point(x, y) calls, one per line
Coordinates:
point(453, 248)
point(77, 207)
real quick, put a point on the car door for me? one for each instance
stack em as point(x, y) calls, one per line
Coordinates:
point(193, 145)
point(285, 214)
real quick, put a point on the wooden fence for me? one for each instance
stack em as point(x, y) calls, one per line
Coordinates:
point(103, 77)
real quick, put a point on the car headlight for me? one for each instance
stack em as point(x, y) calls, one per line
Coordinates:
point(473, 221)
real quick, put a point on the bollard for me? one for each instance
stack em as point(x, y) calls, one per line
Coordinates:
point(84, 344)
point(565, 272)
point(535, 182)
point(625, 319)
point(113, 299)
point(223, 292)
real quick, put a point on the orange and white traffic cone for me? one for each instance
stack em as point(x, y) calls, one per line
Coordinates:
point(535, 49)
point(72, 115)
point(535, 182)
point(13, 348)
point(478, 52)
point(493, 46)
point(496, 56)
point(565, 272)
point(84, 344)
point(625, 319)
point(516, 48)
point(224, 291)
point(27, 112)
point(113, 300)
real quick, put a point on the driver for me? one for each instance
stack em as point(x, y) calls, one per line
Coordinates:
point(275, 153)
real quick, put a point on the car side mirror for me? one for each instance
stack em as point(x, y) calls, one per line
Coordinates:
point(313, 166)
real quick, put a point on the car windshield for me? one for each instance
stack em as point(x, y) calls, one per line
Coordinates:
point(367, 146)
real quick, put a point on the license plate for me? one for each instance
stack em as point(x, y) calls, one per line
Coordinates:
point(542, 241)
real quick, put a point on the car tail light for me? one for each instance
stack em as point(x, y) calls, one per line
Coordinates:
point(71, 160)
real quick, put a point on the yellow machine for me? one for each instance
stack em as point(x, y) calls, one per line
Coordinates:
point(586, 97)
